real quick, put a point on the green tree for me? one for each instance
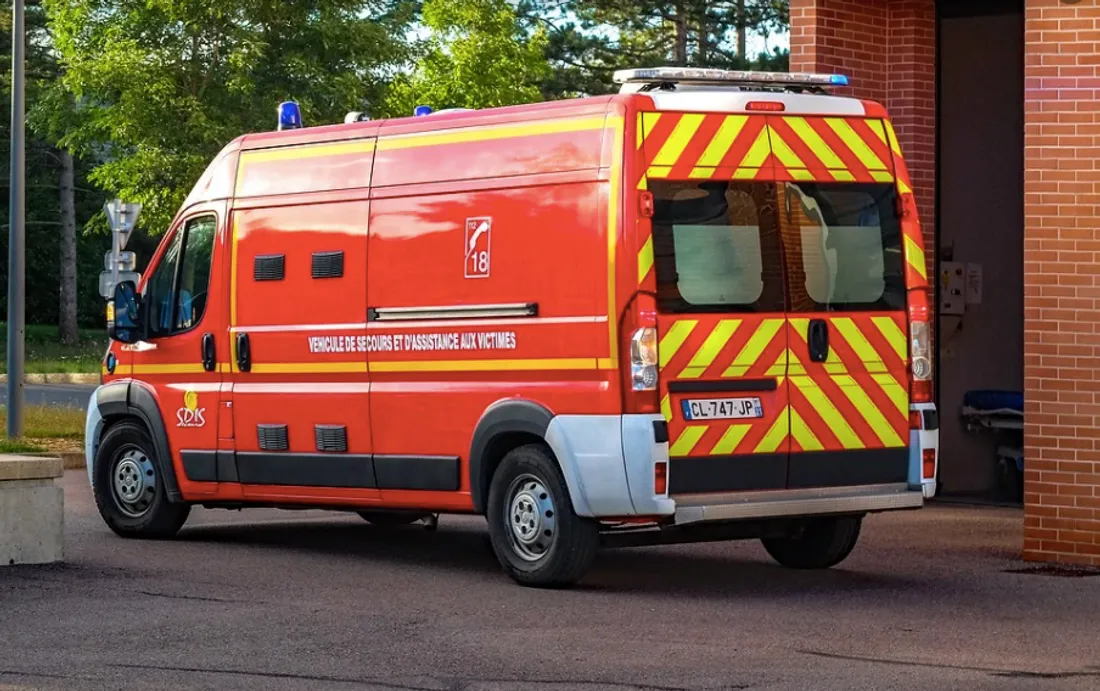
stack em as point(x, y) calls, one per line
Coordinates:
point(58, 196)
point(589, 39)
point(159, 86)
point(477, 55)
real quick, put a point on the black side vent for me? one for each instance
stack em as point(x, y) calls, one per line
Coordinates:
point(272, 437)
point(331, 437)
point(269, 267)
point(328, 264)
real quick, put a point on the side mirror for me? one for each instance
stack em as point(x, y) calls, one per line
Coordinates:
point(123, 323)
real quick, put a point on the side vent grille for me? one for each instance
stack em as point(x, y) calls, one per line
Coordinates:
point(331, 438)
point(269, 267)
point(328, 264)
point(272, 437)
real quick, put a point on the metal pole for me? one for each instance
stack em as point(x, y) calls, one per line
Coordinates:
point(16, 228)
point(115, 249)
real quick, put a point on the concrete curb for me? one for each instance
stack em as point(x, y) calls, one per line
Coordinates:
point(32, 510)
point(57, 378)
point(70, 460)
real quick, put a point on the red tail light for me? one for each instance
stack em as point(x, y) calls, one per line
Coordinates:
point(640, 362)
point(929, 458)
point(920, 348)
point(660, 478)
point(914, 419)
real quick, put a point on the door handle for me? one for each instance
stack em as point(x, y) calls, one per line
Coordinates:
point(209, 353)
point(244, 353)
point(818, 340)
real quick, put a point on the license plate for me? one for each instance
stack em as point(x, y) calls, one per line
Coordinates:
point(722, 408)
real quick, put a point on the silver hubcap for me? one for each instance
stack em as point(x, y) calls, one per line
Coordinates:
point(531, 518)
point(134, 482)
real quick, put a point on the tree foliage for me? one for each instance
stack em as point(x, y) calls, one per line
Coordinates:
point(143, 93)
point(42, 179)
point(159, 86)
point(477, 55)
point(589, 39)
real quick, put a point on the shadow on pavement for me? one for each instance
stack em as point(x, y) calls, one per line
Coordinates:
point(642, 570)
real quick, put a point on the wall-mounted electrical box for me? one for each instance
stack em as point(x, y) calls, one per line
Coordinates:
point(952, 288)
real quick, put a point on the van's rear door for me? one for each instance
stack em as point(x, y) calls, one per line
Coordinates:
point(722, 333)
point(845, 277)
point(723, 342)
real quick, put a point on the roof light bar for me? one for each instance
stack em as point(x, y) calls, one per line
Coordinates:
point(715, 76)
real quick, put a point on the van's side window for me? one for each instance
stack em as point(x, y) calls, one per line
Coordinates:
point(716, 247)
point(177, 290)
point(844, 247)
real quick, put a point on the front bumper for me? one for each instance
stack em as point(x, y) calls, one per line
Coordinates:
point(93, 426)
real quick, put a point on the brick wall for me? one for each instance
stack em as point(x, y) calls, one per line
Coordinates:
point(1062, 282)
point(887, 49)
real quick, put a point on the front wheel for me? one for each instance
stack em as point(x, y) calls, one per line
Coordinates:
point(820, 544)
point(129, 490)
point(536, 536)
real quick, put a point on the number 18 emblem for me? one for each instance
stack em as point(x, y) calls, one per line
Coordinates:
point(478, 233)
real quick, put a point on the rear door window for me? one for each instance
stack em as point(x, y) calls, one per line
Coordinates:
point(716, 247)
point(844, 247)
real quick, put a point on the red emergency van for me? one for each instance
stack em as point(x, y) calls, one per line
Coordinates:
point(693, 310)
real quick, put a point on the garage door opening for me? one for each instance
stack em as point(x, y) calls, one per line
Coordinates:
point(979, 247)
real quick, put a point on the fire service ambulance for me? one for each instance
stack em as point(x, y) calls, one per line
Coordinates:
point(693, 310)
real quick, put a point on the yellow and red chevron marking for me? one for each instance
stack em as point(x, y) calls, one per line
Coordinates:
point(827, 149)
point(858, 398)
point(683, 146)
point(916, 266)
point(708, 347)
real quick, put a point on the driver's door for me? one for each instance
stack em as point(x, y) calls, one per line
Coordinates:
point(183, 311)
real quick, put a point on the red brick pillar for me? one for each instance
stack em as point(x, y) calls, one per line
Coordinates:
point(887, 48)
point(1062, 282)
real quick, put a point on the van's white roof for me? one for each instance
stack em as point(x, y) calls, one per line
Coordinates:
point(705, 98)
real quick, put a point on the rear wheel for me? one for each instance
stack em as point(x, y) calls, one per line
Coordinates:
point(536, 535)
point(820, 544)
point(129, 490)
point(390, 518)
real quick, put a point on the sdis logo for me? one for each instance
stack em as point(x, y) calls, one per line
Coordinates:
point(191, 415)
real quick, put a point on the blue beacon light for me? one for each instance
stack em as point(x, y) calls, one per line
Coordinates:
point(422, 110)
point(839, 79)
point(290, 116)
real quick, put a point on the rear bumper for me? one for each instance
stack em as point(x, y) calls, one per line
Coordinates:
point(801, 502)
point(608, 463)
point(920, 440)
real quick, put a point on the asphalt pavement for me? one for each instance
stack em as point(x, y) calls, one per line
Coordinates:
point(55, 395)
point(311, 600)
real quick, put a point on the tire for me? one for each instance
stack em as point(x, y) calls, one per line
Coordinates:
point(535, 533)
point(821, 544)
point(390, 519)
point(128, 487)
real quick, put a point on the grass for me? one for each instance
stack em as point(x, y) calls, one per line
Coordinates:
point(45, 429)
point(46, 354)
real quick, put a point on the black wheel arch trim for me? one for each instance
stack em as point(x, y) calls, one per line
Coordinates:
point(507, 416)
point(113, 399)
point(131, 399)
